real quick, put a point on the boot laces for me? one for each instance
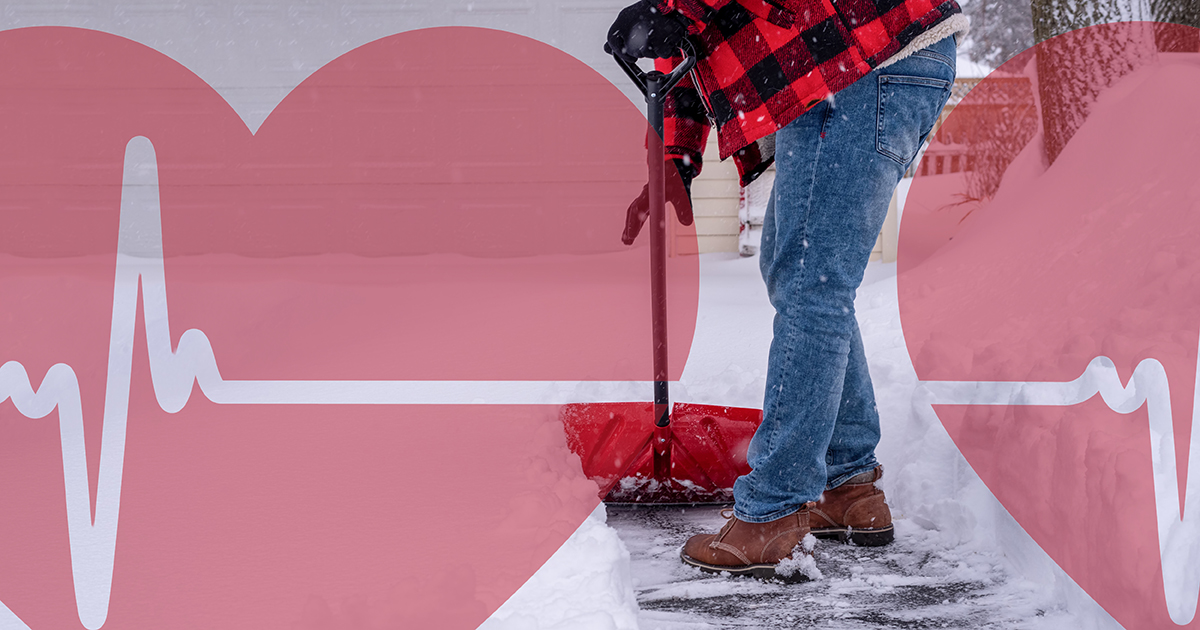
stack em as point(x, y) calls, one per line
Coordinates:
point(727, 513)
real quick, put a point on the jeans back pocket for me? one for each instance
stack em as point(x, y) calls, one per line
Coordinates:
point(908, 109)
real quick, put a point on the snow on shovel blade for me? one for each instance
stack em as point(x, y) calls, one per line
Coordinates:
point(707, 450)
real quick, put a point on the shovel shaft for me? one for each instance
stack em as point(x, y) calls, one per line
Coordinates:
point(662, 452)
point(658, 274)
point(655, 86)
point(655, 82)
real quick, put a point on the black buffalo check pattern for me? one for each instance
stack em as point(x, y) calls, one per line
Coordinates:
point(763, 63)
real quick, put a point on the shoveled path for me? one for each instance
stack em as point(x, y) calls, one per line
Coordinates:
point(916, 582)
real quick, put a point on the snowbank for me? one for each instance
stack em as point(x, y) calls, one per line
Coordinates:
point(586, 585)
point(1134, 128)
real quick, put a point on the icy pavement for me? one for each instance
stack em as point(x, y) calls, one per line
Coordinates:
point(916, 582)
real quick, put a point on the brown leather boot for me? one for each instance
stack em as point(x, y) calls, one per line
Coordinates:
point(778, 550)
point(855, 511)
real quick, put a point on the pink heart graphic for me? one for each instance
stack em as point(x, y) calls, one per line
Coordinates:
point(342, 338)
point(1027, 315)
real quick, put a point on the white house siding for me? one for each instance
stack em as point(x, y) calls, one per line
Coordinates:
point(254, 52)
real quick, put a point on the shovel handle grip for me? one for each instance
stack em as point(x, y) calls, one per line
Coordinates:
point(655, 85)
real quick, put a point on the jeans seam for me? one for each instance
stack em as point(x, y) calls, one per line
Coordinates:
point(933, 55)
point(911, 79)
point(812, 186)
point(846, 477)
point(882, 80)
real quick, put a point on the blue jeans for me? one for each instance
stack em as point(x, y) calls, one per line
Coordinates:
point(837, 166)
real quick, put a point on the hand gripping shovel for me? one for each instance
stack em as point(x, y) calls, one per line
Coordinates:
point(649, 452)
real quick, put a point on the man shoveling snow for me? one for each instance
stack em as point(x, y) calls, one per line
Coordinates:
point(840, 96)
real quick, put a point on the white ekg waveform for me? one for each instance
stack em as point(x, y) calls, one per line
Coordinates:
point(173, 372)
point(93, 538)
point(1178, 534)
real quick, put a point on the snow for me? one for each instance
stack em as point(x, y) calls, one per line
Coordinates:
point(586, 585)
point(959, 559)
point(954, 541)
point(801, 561)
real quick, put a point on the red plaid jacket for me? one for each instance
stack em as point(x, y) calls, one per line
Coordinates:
point(763, 63)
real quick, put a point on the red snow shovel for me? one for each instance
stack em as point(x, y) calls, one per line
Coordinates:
point(651, 452)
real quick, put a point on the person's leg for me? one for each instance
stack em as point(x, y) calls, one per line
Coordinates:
point(856, 430)
point(837, 167)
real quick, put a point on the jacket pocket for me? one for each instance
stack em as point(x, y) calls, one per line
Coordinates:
point(908, 109)
point(774, 11)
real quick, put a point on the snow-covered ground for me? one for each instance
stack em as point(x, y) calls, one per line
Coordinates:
point(960, 561)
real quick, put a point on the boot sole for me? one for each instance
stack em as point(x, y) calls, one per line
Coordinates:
point(765, 572)
point(860, 537)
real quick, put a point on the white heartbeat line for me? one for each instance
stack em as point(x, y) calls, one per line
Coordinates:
point(1178, 535)
point(173, 372)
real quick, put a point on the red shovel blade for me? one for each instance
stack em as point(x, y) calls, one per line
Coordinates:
point(615, 443)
